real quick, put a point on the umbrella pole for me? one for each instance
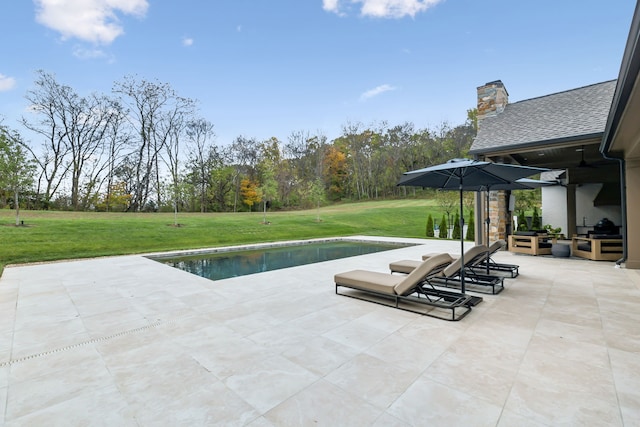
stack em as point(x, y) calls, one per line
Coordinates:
point(462, 286)
point(488, 221)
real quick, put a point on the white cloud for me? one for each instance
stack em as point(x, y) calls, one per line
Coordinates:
point(383, 8)
point(82, 53)
point(6, 83)
point(187, 41)
point(330, 5)
point(94, 21)
point(376, 91)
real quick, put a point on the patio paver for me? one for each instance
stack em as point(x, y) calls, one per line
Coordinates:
point(129, 341)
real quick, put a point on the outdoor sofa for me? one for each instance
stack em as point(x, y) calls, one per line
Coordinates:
point(530, 243)
point(598, 247)
point(413, 292)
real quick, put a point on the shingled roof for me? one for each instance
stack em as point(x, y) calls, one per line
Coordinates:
point(573, 114)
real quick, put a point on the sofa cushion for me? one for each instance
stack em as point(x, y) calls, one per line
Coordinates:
point(606, 236)
point(525, 233)
point(585, 247)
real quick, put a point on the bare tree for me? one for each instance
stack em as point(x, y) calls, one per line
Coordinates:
point(153, 108)
point(201, 154)
point(46, 104)
point(117, 139)
point(172, 129)
point(75, 129)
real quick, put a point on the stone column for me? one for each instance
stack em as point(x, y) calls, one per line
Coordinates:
point(499, 215)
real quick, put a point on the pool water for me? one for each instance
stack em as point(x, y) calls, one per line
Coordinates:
point(223, 265)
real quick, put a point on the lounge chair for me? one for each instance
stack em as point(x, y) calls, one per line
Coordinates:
point(496, 267)
point(412, 292)
point(406, 266)
point(451, 275)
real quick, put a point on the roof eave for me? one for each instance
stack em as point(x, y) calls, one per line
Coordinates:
point(629, 70)
point(537, 144)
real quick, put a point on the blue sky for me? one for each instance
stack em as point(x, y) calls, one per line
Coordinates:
point(268, 68)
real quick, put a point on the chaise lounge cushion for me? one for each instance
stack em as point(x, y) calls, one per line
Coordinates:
point(474, 253)
point(497, 246)
point(390, 284)
point(369, 280)
point(416, 276)
point(408, 265)
point(404, 266)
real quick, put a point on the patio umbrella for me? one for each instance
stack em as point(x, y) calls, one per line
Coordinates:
point(466, 174)
point(520, 184)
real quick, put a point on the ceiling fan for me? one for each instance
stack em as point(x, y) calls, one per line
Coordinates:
point(583, 163)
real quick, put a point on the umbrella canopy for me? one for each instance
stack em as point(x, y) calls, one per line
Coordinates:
point(520, 184)
point(470, 175)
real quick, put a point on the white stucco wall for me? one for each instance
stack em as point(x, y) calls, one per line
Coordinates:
point(587, 214)
point(554, 207)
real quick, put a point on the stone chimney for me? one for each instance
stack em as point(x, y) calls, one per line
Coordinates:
point(492, 98)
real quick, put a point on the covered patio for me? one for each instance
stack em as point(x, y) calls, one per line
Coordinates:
point(591, 134)
point(129, 341)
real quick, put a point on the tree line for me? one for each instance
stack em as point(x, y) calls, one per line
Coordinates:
point(143, 147)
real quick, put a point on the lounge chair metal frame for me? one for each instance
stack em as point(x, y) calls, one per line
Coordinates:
point(439, 299)
point(425, 295)
point(510, 269)
point(473, 280)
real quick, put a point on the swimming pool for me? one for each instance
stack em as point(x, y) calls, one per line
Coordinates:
point(228, 263)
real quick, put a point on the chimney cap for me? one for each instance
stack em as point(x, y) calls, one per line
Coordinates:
point(494, 83)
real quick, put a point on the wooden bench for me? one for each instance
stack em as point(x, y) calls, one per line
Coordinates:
point(598, 247)
point(530, 243)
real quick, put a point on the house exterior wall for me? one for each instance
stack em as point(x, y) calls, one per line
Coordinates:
point(589, 215)
point(552, 199)
point(632, 177)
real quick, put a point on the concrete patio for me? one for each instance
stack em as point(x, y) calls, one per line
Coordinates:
point(127, 341)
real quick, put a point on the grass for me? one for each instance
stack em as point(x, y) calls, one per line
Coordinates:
point(50, 236)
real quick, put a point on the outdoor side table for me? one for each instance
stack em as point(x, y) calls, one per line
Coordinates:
point(562, 250)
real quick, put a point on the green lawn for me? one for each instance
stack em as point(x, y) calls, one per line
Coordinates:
point(48, 236)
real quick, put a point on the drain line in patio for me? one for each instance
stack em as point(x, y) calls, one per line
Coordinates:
point(91, 341)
